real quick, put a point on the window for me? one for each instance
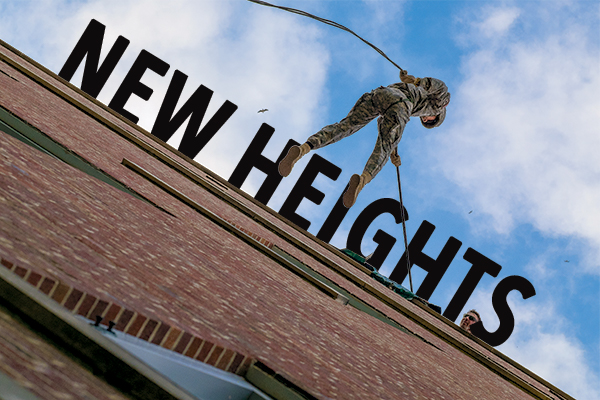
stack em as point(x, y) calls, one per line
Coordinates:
point(199, 379)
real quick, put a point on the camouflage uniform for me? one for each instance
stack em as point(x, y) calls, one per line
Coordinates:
point(394, 105)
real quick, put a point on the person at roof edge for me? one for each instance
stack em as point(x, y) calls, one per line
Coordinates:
point(425, 98)
point(469, 319)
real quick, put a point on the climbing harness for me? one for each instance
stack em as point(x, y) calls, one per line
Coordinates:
point(342, 27)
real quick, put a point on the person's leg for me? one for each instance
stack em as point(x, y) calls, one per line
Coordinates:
point(390, 127)
point(357, 182)
point(361, 114)
point(295, 153)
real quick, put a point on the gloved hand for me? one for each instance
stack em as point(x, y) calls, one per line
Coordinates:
point(395, 158)
point(404, 77)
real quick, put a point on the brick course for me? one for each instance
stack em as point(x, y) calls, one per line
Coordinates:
point(154, 332)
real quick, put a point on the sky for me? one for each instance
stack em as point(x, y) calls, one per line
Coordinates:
point(513, 172)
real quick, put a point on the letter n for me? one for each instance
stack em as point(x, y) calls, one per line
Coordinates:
point(90, 45)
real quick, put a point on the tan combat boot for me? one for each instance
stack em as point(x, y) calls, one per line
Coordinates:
point(357, 182)
point(294, 154)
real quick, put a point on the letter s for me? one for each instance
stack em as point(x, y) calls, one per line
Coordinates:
point(507, 320)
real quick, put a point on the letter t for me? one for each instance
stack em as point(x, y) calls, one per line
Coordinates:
point(481, 266)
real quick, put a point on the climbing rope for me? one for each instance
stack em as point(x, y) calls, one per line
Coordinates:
point(342, 27)
point(404, 229)
point(328, 22)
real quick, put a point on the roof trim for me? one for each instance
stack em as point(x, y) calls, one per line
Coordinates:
point(265, 249)
point(20, 130)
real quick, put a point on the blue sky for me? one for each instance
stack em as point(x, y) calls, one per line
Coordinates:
point(518, 148)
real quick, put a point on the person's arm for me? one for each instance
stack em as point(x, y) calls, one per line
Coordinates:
point(405, 78)
point(395, 157)
point(431, 85)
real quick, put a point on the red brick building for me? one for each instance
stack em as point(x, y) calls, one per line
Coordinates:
point(194, 287)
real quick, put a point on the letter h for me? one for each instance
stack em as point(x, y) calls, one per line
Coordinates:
point(253, 158)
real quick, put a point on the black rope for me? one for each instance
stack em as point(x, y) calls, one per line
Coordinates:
point(404, 230)
point(325, 21)
point(342, 27)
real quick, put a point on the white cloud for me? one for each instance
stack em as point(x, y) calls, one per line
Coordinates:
point(559, 359)
point(498, 22)
point(383, 14)
point(522, 139)
point(541, 342)
point(253, 56)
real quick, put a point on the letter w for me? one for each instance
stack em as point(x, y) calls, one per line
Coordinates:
point(90, 44)
point(166, 123)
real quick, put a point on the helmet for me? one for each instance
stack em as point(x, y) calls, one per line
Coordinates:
point(436, 122)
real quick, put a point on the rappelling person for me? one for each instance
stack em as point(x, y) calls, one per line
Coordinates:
point(425, 98)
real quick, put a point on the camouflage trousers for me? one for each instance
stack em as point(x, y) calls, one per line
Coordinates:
point(392, 107)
